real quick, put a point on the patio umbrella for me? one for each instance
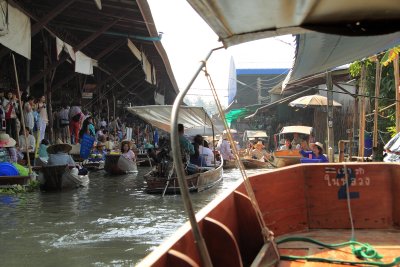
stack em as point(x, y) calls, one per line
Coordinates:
point(312, 101)
point(232, 131)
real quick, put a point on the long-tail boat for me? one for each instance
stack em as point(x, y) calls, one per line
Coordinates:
point(338, 214)
point(162, 178)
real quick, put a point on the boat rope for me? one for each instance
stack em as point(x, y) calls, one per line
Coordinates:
point(363, 251)
point(268, 235)
point(346, 176)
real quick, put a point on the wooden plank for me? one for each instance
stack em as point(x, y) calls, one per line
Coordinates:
point(397, 90)
point(327, 205)
point(221, 244)
point(362, 113)
point(175, 258)
point(250, 237)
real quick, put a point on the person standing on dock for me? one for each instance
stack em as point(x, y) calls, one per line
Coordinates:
point(10, 105)
point(43, 117)
point(75, 118)
point(64, 124)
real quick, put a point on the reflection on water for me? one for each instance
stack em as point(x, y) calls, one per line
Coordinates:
point(110, 223)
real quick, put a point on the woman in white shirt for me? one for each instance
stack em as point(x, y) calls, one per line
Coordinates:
point(206, 153)
point(28, 142)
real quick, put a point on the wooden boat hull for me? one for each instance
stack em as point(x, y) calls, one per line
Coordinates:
point(117, 165)
point(11, 181)
point(201, 181)
point(307, 199)
point(282, 158)
point(229, 164)
point(144, 161)
point(58, 178)
point(254, 164)
point(93, 166)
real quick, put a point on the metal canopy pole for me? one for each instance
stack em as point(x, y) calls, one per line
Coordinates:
point(330, 143)
point(176, 152)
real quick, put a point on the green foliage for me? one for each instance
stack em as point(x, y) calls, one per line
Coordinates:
point(19, 189)
point(386, 121)
point(355, 69)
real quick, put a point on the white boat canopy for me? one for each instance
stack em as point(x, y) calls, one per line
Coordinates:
point(254, 134)
point(238, 21)
point(330, 33)
point(159, 116)
point(296, 129)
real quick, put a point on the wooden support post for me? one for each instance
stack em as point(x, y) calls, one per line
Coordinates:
point(330, 144)
point(114, 107)
point(28, 75)
point(397, 90)
point(378, 73)
point(108, 112)
point(361, 138)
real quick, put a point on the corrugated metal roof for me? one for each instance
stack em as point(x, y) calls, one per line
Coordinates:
point(77, 21)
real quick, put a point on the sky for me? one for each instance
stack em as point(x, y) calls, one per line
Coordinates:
point(187, 40)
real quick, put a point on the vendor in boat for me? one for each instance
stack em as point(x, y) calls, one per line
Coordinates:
point(258, 151)
point(109, 143)
point(58, 155)
point(303, 146)
point(8, 152)
point(43, 155)
point(26, 141)
point(126, 150)
point(186, 146)
point(250, 147)
point(287, 145)
point(206, 154)
point(224, 148)
point(98, 153)
point(318, 149)
point(196, 158)
point(296, 140)
point(305, 150)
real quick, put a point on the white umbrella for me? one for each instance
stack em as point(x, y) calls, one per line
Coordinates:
point(232, 131)
point(312, 101)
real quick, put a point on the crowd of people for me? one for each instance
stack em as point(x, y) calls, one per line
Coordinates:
point(314, 150)
point(70, 124)
point(197, 153)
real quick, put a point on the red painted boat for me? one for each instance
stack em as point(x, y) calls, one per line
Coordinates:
point(308, 200)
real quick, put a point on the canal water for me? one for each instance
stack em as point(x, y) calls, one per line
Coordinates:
point(110, 223)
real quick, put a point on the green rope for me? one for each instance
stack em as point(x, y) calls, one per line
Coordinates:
point(362, 251)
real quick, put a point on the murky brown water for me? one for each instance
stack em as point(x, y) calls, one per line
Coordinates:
point(110, 223)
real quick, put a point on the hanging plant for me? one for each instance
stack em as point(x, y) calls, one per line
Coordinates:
point(390, 55)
